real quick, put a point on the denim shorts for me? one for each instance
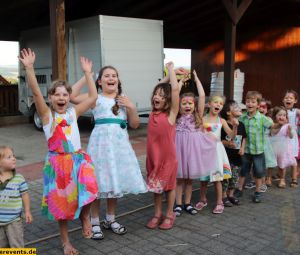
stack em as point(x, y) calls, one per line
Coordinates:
point(257, 162)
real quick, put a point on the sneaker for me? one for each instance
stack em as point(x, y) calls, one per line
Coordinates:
point(200, 205)
point(238, 193)
point(256, 197)
point(250, 185)
point(263, 188)
point(177, 210)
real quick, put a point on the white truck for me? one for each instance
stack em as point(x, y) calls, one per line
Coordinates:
point(133, 46)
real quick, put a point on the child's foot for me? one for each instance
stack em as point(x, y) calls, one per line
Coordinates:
point(263, 188)
point(294, 183)
point(97, 233)
point(154, 222)
point(190, 209)
point(168, 222)
point(227, 202)
point(282, 184)
point(269, 181)
point(218, 209)
point(69, 249)
point(86, 227)
point(256, 197)
point(178, 210)
point(238, 193)
point(250, 185)
point(234, 200)
point(200, 205)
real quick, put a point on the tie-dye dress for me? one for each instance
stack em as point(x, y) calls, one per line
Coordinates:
point(69, 179)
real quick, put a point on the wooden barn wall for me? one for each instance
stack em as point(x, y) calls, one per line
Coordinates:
point(271, 63)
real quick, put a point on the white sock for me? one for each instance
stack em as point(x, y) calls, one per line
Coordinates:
point(110, 217)
point(95, 221)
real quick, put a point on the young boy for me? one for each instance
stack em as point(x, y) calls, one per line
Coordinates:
point(234, 149)
point(255, 125)
point(13, 196)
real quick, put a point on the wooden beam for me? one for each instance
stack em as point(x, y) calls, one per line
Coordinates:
point(231, 10)
point(58, 44)
point(229, 54)
point(242, 8)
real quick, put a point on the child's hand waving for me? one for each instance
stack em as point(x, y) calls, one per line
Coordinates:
point(27, 57)
point(86, 65)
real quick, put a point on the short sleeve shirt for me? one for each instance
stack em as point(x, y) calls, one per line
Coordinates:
point(11, 199)
point(255, 129)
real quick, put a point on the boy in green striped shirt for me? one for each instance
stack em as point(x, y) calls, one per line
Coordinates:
point(255, 124)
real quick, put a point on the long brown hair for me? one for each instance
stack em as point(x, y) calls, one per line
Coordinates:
point(166, 88)
point(197, 118)
point(276, 110)
point(115, 108)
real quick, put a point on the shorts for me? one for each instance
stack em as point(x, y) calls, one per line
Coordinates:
point(12, 235)
point(232, 183)
point(257, 161)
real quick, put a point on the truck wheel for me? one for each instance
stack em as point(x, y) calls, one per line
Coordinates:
point(37, 122)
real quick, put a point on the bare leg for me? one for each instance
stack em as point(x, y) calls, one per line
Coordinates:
point(95, 208)
point(170, 202)
point(85, 221)
point(203, 190)
point(179, 190)
point(158, 204)
point(241, 182)
point(188, 191)
point(294, 173)
point(219, 193)
point(64, 236)
point(258, 182)
point(111, 206)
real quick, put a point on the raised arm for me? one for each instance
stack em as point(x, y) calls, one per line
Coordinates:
point(230, 132)
point(76, 97)
point(89, 102)
point(28, 58)
point(174, 93)
point(201, 100)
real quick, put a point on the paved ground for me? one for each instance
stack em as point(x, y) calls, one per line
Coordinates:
point(272, 227)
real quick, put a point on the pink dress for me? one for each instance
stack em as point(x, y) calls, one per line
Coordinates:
point(196, 151)
point(161, 162)
point(282, 148)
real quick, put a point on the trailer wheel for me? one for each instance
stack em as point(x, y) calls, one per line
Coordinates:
point(37, 122)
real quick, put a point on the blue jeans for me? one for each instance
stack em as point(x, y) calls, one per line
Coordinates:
point(258, 163)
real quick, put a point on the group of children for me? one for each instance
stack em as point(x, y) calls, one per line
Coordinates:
point(183, 144)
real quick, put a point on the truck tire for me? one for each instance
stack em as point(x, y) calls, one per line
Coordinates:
point(37, 122)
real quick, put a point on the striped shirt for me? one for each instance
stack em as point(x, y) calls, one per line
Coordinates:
point(11, 199)
point(255, 128)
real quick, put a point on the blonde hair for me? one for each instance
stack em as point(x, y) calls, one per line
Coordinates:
point(254, 95)
point(213, 97)
point(3, 150)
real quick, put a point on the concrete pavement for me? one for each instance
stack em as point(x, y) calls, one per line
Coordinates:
point(272, 227)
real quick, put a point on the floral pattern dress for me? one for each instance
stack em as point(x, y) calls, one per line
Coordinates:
point(69, 179)
point(116, 167)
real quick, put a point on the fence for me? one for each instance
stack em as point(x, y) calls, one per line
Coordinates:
point(9, 100)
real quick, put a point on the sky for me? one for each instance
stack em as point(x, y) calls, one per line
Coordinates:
point(9, 53)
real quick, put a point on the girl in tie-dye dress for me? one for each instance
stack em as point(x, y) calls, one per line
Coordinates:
point(69, 180)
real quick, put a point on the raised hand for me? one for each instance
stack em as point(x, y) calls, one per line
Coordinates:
point(181, 70)
point(27, 57)
point(170, 65)
point(195, 76)
point(86, 65)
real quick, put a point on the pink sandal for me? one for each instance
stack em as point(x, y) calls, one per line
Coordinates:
point(200, 205)
point(154, 222)
point(168, 222)
point(218, 209)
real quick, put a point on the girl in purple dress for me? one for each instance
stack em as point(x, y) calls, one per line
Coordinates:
point(195, 150)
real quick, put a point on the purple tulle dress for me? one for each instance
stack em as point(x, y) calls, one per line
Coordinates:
point(195, 150)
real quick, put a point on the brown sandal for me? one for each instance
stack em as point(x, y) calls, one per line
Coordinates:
point(294, 183)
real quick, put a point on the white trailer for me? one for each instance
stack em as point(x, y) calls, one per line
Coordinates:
point(133, 46)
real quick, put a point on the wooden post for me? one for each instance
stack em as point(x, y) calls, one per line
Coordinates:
point(58, 44)
point(234, 15)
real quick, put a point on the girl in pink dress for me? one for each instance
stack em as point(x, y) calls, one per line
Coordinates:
point(281, 133)
point(196, 151)
point(161, 162)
